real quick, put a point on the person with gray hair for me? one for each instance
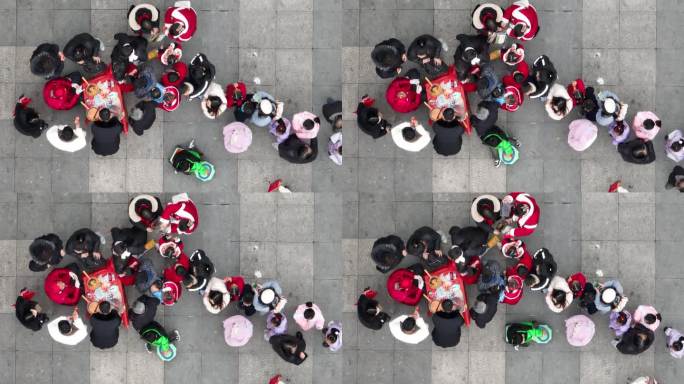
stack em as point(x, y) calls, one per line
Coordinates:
point(142, 116)
point(143, 311)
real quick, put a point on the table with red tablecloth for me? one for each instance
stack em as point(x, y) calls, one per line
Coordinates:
point(105, 284)
point(446, 91)
point(103, 91)
point(445, 283)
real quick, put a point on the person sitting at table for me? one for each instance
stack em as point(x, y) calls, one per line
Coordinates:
point(106, 131)
point(84, 245)
point(448, 133)
point(410, 329)
point(426, 50)
point(405, 286)
point(46, 251)
point(63, 285)
point(447, 323)
point(68, 330)
point(105, 326)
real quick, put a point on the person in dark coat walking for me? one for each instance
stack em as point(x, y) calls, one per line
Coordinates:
point(447, 325)
point(26, 119)
point(47, 61)
point(143, 311)
point(635, 341)
point(370, 120)
point(46, 251)
point(84, 245)
point(448, 134)
point(332, 113)
point(388, 56)
point(676, 179)
point(105, 326)
point(370, 312)
point(298, 151)
point(289, 348)
point(426, 50)
point(28, 312)
point(484, 308)
point(84, 49)
point(106, 133)
point(637, 151)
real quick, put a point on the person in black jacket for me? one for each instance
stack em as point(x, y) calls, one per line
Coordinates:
point(471, 240)
point(484, 308)
point(676, 179)
point(587, 300)
point(388, 252)
point(426, 50)
point(84, 245)
point(388, 56)
point(448, 134)
point(447, 325)
point(105, 326)
point(106, 133)
point(84, 49)
point(289, 348)
point(201, 270)
point(200, 74)
point(370, 120)
point(589, 104)
point(636, 340)
point(142, 116)
point(425, 243)
point(26, 119)
point(143, 311)
point(46, 251)
point(332, 113)
point(47, 61)
point(129, 49)
point(246, 301)
point(28, 312)
point(370, 312)
point(472, 50)
point(297, 151)
point(542, 76)
point(543, 270)
point(637, 151)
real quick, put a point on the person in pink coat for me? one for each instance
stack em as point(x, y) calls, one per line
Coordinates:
point(308, 315)
point(306, 125)
point(647, 316)
point(237, 137)
point(646, 125)
point(579, 330)
point(237, 330)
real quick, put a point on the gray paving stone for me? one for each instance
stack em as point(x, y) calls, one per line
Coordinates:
point(646, 37)
point(184, 370)
point(532, 361)
point(597, 367)
point(294, 29)
point(600, 255)
point(601, 30)
point(487, 367)
point(599, 216)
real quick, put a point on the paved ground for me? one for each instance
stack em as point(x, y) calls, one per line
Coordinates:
point(293, 46)
point(635, 237)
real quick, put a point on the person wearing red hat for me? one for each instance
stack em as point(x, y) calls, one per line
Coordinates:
point(169, 55)
point(369, 310)
point(180, 21)
point(370, 120)
point(175, 76)
point(59, 94)
point(513, 290)
point(577, 92)
point(63, 286)
point(180, 216)
point(521, 20)
point(577, 284)
point(488, 18)
point(29, 313)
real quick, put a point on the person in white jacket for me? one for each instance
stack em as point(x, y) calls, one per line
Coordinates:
point(216, 296)
point(214, 101)
point(410, 329)
point(67, 139)
point(559, 295)
point(308, 315)
point(410, 136)
point(558, 102)
point(68, 330)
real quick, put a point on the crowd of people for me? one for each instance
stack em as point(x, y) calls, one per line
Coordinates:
point(80, 270)
point(491, 64)
point(148, 64)
point(427, 267)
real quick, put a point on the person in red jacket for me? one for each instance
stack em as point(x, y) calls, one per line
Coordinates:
point(178, 270)
point(63, 285)
point(405, 286)
point(404, 93)
point(516, 249)
point(513, 290)
point(59, 94)
point(175, 76)
point(236, 94)
point(577, 284)
point(235, 285)
point(523, 212)
point(180, 216)
point(180, 21)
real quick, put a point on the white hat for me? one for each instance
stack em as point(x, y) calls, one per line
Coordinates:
point(266, 107)
point(608, 295)
point(267, 296)
point(609, 105)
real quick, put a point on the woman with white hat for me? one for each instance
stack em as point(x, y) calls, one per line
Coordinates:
point(610, 297)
